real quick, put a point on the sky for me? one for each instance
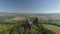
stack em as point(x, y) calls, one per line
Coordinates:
point(30, 6)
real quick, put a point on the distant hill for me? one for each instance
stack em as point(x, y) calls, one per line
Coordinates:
point(31, 14)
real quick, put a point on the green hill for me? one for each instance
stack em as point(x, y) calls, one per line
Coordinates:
point(53, 28)
point(19, 29)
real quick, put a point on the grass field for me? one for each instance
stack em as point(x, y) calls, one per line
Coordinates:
point(53, 28)
point(4, 27)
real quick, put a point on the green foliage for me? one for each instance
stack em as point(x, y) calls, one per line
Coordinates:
point(17, 28)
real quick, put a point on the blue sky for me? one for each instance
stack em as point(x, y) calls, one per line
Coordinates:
point(30, 6)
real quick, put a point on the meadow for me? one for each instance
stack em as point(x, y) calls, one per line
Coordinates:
point(13, 25)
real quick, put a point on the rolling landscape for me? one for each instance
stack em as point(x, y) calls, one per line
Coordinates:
point(29, 16)
point(48, 23)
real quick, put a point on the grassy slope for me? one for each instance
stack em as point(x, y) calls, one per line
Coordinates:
point(50, 27)
point(4, 27)
point(56, 29)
